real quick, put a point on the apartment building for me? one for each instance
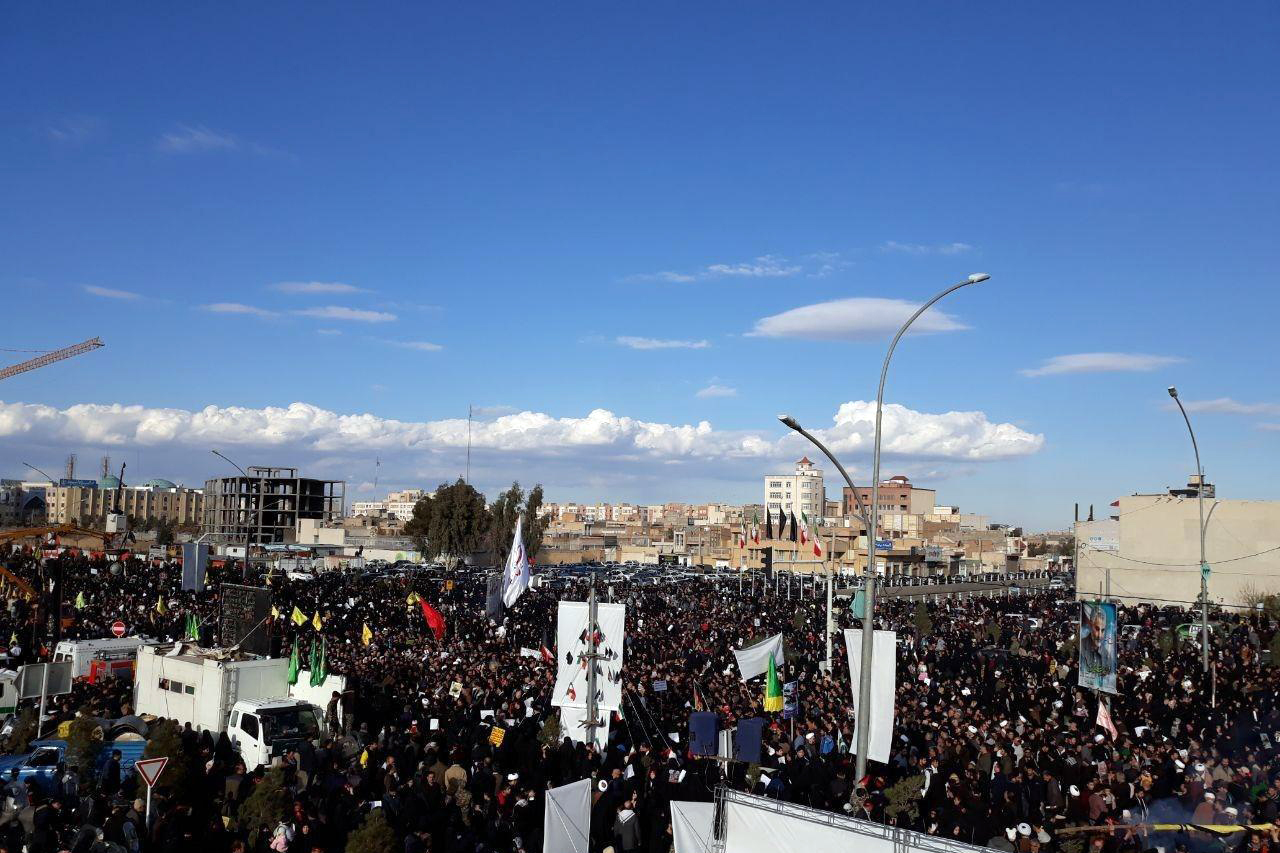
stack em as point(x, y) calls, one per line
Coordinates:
point(158, 499)
point(797, 493)
point(897, 495)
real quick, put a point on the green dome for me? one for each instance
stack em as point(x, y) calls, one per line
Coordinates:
point(111, 481)
point(160, 483)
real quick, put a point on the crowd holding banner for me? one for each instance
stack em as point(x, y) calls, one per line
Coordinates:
point(992, 740)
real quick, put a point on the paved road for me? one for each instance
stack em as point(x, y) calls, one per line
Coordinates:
point(953, 590)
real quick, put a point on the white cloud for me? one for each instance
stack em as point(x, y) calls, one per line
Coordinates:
point(421, 346)
point(109, 293)
point(328, 331)
point(714, 390)
point(74, 130)
point(853, 319)
point(316, 287)
point(657, 343)
point(302, 427)
point(237, 308)
point(765, 266)
point(926, 249)
point(341, 312)
point(191, 139)
point(1228, 406)
point(1102, 362)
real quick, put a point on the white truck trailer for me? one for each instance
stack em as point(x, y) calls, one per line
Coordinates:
point(246, 696)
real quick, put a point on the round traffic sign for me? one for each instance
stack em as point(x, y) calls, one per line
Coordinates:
point(118, 628)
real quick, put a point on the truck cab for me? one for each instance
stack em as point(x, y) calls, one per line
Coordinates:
point(262, 729)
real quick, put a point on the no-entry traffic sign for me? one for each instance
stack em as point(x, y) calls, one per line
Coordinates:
point(150, 769)
point(118, 628)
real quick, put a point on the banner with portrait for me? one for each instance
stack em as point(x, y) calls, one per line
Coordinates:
point(1097, 641)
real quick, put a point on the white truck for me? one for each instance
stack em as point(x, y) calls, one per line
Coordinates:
point(115, 652)
point(246, 696)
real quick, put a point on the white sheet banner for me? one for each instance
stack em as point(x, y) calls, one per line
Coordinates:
point(754, 660)
point(572, 642)
point(884, 663)
point(566, 823)
point(572, 718)
point(692, 826)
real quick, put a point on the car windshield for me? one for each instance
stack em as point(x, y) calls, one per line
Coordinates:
point(289, 723)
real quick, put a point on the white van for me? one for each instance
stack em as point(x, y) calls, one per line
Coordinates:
point(82, 653)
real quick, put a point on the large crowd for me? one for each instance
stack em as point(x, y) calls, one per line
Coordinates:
point(994, 744)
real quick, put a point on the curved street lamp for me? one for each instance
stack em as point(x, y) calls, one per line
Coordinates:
point(1204, 565)
point(873, 522)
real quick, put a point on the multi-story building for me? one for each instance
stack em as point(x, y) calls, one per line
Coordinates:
point(21, 502)
point(157, 500)
point(796, 493)
point(266, 505)
point(896, 495)
point(397, 505)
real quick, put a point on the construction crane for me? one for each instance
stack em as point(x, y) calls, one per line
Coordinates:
point(50, 357)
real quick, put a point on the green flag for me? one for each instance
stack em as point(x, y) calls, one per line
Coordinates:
point(193, 627)
point(772, 688)
point(294, 663)
point(318, 674)
point(79, 601)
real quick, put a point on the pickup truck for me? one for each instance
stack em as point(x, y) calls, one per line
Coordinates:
point(39, 765)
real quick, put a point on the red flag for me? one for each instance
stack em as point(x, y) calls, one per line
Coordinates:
point(434, 620)
point(545, 650)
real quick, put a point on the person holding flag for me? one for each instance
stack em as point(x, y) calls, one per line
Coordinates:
point(435, 621)
point(772, 688)
point(515, 577)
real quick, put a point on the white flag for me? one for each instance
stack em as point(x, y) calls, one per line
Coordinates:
point(1104, 720)
point(515, 578)
point(754, 660)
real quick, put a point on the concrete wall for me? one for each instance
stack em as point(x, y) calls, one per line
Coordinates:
point(1159, 551)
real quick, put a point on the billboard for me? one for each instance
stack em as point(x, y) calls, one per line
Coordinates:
point(65, 483)
point(245, 610)
point(1097, 663)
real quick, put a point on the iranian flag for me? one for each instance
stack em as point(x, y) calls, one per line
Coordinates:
point(804, 527)
point(804, 531)
point(742, 535)
point(755, 528)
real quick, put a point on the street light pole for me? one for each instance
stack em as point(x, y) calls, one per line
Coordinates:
point(868, 629)
point(247, 527)
point(1204, 565)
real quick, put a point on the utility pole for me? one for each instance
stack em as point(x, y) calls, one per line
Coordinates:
point(592, 655)
point(1204, 564)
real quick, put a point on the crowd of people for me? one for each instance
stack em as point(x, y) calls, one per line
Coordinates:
point(994, 744)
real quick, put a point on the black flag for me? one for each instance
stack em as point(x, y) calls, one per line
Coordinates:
point(768, 524)
point(782, 524)
point(793, 526)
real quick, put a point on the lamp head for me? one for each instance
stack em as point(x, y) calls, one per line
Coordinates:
point(978, 277)
point(1173, 392)
point(789, 421)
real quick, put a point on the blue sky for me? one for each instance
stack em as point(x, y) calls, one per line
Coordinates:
point(520, 200)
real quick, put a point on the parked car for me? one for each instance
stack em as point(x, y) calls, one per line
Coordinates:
point(39, 766)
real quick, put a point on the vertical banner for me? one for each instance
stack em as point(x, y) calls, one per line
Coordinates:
point(572, 718)
point(573, 641)
point(493, 597)
point(884, 665)
point(566, 823)
point(1098, 646)
point(790, 700)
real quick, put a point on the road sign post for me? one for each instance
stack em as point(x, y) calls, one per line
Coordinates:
point(150, 769)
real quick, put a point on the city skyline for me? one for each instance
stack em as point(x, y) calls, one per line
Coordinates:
point(630, 238)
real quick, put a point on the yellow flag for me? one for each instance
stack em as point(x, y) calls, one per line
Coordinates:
point(413, 599)
point(275, 612)
point(298, 617)
point(161, 608)
point(366, 636)
point(315, 621)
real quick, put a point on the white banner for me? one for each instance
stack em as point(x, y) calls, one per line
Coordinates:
point(572, 718)
point(566, 823)
point(572, 643)
point(884, 663)
point(754, 660)
point(691, 826)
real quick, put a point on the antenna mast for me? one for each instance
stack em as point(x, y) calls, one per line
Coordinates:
point(468, 477)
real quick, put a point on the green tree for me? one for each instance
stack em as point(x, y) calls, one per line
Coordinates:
point(509, 506)
point(84, 742)
point(165, 741)
point(924, 622)
point(164, 532)
point(24, 730)
point(267, 805)
point(904, 800)
point(373, 835)
point(451, 525)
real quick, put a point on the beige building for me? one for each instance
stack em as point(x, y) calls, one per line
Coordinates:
point(801, 492)
point(160, 500)
point(897, 495)
point(1150, 550)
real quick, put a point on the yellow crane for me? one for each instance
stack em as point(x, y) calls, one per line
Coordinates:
point(50, 357)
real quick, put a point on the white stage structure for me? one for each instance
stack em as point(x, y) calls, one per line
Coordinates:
point(566, 822)
point(693, 826)
point(751, 824)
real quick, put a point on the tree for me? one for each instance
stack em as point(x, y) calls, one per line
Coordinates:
point(923, 621)
point(373, 835)
point(84, 742)
point(509, 506)
point(451, 524)
point(164, 532)
point(904, 800)
point(267, 805)
point(24, 730)
point(166, 742)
